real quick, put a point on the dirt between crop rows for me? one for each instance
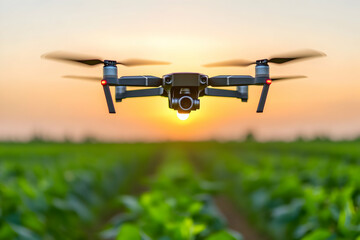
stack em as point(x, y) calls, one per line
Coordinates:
point(137, 189)
point(236, 221)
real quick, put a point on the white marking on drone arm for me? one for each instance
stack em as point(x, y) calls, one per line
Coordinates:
point(146, 81)
point(228, 80)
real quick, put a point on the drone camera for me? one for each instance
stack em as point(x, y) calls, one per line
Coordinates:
point(186, 103)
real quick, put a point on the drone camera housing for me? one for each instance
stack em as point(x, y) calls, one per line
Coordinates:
point(184, 89)
point(185, 104)
point(185, 79)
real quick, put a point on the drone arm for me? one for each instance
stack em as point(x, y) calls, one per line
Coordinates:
point(222, 93)
point(231, 80)
point(140, 93)
point(139, 81)
point(112, 81)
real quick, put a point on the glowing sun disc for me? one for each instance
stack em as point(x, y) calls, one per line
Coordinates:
point(183, 116)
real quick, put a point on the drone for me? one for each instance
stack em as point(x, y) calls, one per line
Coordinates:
point(183, 89)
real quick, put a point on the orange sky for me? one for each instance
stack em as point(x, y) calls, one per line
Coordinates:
point(35, 99)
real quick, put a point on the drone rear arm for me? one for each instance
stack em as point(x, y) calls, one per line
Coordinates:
point(222, 93)
point(140, 93)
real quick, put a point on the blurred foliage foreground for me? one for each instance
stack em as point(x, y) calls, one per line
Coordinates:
point(299, 190)
point(55, 191)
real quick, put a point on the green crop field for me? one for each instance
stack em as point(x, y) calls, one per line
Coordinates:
point(171, 191)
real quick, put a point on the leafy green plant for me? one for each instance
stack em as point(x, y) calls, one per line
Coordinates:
point(53, 191)
point(300, 190)
point(299, 194)
point(177, 207)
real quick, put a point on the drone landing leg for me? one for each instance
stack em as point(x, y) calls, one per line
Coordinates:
point(109, 100)
point(262, 101)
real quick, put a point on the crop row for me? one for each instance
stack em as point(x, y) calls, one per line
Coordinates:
point(178, 206)
point(298, 194)
point(307, 191)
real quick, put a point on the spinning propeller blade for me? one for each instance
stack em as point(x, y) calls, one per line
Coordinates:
point(106, 88)
point(83, 77)
point(231, 63)
point(266, 87)
point(141, 62)
point(284, 58)
point(63, 56)
point(92, 61)
point(287, 77)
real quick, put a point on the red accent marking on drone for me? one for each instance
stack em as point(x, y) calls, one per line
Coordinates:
point(268, 81)
point(103, 82)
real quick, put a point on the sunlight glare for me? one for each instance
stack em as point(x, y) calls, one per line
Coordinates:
point(183, 116)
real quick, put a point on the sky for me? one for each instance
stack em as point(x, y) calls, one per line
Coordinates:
point(35, 99)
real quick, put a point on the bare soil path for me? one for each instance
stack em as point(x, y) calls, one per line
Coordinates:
point(236, 220)
point(136, 189)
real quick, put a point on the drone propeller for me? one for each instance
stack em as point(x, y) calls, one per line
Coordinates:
point(91, 61)
point(266, 87)
point(230, 63)
point(106, 88)
point(287, 77)
point(83, 77)
point(276, 59)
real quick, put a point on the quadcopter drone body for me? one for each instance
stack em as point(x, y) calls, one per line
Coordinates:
point(183, 89)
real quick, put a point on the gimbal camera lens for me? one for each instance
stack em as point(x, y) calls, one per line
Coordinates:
point(186, 103)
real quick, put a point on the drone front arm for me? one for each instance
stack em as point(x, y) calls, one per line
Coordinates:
point(140, 93)
point(140, 81)
point(231, 80)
